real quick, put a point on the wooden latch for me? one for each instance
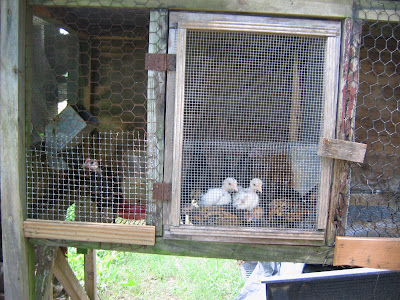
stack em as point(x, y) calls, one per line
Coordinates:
point(162, 191)
point(160, 62)
point(344, 150)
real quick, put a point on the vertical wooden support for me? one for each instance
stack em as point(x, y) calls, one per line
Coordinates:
point(344, 130)
point(169, 124)
point(90, 274)
point(158, 33)
point(18, 267)
point(46, 256)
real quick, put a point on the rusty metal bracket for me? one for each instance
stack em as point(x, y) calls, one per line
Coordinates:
point(160, 62)
point(162, 191)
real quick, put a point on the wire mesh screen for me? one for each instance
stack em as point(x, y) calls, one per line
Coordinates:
point(375, 184)
point(252, 122)
point(89, 153)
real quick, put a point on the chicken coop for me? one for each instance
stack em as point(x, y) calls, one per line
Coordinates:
point(218, 129)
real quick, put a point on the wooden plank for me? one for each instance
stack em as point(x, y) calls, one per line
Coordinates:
point(307, 254)
point(331, 83)
point(158, 35)
point(46, 256)
point(283, 27)
point(345, 150)
point(169, 124)
point(90, 232)
point(344, 130)
point(317, 8)
point(17, 266)
point(249, 236)
point(90, 274)
point(178, 126)
point(67, 278)
point(378, 253)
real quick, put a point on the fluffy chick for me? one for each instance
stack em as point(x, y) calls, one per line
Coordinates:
point(247, 198)
point(219, 196)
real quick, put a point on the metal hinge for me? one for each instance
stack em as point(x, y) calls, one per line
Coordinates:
point(162, 191)
point(160, 62)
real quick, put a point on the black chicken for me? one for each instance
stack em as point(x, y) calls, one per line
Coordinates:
point(105, 187)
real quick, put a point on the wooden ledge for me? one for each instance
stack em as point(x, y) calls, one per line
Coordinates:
point(379, 253)
point(90, 232)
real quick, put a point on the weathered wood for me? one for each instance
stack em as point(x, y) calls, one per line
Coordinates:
point(86, 231)
point(344, 130)
point(178, 126)
point(379, 253)
point(344, 150)
point(46, 256)
point(308, 254)
point(331, 83)
point(158, 35)
point(90, 274)
point(18, 268)
point(244, 235)
point(67, 278)
point(169, 125)
point(318, 8)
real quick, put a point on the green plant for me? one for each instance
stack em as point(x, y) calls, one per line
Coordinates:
point(125, 275)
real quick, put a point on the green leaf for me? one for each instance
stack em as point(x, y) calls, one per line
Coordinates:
point(129, 283)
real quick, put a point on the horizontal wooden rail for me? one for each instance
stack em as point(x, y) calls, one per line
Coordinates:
point(378, 253)
point(90, 232)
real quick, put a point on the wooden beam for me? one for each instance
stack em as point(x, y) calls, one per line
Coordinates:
point(46, 256)
point(90, 274)
point(344, 150)
point(317, 8)
point(306, 254)
point(18, 267)
point(158, 36)
point(348, 87)
point(67, 278)
point(90, 232)
point(378, 253)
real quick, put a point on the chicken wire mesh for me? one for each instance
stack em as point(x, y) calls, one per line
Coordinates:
point(375, 184)
point(253, 115)
point(90, 158)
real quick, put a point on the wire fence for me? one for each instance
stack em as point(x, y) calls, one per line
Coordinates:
point(90, 158)
point(375, 184)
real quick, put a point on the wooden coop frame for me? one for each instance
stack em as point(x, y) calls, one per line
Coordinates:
point(20, 235)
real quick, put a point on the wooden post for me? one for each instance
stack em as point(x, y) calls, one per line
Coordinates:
point(90, 274)
point(46, 256)
point(158, 32)
point(345, 116)
point(18, 265)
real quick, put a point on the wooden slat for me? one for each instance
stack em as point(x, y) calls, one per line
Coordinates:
point(90, 274)
point(331, 83)
point(379, 253)
point(18, 268)
point(320, 8)
point(308, 254)
point(90, 232)
point(178, 127)
point(67, 278)
point(344, 150)
point(297, 29)
point(249, 236)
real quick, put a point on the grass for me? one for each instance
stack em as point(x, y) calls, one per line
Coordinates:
point(126, 275)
